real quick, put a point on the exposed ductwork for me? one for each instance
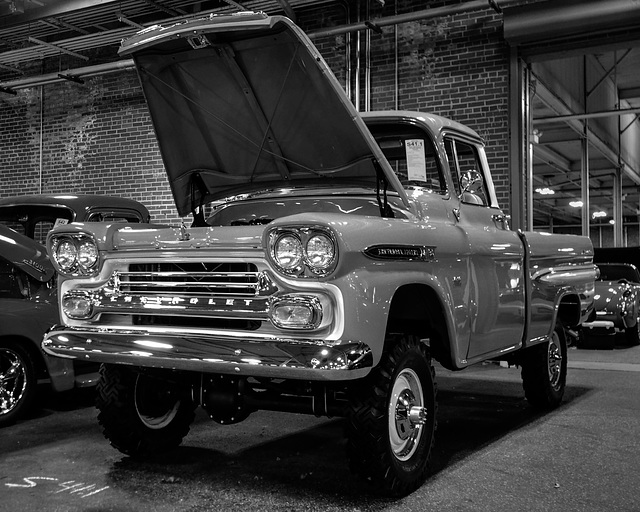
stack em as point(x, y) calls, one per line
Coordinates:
point(549, 21)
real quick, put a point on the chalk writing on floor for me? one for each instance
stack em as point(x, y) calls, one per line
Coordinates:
point(79, 489)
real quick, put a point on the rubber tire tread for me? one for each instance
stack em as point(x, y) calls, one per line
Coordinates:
point(26, 402)
point(120, 421)
point(632, 335)
point(535, 374)
point(366, 429)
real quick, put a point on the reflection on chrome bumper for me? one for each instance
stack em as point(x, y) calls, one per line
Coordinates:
point(263, 357)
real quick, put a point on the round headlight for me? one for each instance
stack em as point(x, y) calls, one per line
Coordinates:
point(287, 252)
point(87, 254)
point(320, 251)
point(66, 255)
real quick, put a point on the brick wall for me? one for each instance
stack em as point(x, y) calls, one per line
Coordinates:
point(97, 137)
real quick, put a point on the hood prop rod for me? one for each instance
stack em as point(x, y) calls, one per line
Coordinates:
point(381, 179)
point(196, 181)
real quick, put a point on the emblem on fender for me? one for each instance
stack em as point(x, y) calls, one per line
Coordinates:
point(401, 252)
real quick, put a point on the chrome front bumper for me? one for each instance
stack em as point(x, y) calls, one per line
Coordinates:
point(256, 357)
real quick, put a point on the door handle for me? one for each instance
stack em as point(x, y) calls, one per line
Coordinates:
point(503, 218)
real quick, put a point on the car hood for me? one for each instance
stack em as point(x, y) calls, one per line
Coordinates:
point(26, 254)
point(245, 102)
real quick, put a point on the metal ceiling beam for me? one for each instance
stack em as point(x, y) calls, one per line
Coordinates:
point(588, 115)
point(629, 94)
point(170, 12)
point(550, 99)
point(53, 9)
point(56, 47)
point(52, 78)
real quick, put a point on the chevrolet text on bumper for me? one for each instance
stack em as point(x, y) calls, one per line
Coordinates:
point(331, 256)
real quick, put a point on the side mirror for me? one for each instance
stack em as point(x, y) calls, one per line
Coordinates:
point(470, 181)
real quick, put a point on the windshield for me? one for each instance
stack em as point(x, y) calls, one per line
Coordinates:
point(34, 221)
point(618, 272)
point(411, 154)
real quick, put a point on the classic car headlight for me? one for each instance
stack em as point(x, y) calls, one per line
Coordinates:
point(287, 252)
point(65, 255)
point(303, 251)
point(87, 254)
point(75, 254)
point(320, 251)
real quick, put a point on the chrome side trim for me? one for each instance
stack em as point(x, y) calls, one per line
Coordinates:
point(257, 357)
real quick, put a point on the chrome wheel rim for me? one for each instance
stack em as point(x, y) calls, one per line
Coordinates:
point(554, 359)
point(13, 380)
point(155, 408)
point(406, 414)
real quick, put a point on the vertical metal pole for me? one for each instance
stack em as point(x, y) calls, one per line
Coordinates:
point(584, 181)
point(528, 138)
point(584, 175)
point(396, 55)
point(41, 149)
point(357, 81)
point(367, 66)
point(617, 209)
point(517, 129)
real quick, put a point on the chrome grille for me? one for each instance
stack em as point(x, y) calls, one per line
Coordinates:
point(190, 280)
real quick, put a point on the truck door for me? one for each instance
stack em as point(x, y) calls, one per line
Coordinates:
point(496, 285)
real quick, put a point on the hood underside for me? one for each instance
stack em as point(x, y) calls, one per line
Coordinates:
point(246, 102)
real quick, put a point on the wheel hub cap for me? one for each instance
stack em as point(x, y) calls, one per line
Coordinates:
point(406, 415)
point(13, 381)
point(555, 362)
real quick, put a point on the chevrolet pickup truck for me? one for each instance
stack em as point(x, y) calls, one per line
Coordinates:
point(331, 256)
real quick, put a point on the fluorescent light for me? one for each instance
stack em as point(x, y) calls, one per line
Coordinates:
point(576, 204)
point(546, 191)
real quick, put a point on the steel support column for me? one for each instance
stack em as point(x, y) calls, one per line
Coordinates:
point(519, 112)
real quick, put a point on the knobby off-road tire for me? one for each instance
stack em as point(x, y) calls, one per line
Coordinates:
point(142, 416)
point(18, 382)
point(391, 421)
point(544, 371)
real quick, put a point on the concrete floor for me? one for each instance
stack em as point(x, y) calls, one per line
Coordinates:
point(492, 453)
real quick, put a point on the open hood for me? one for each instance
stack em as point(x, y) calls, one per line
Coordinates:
point(245, 102)
point(26, 254)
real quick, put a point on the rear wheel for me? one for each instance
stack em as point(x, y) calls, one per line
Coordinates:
point(632, 334)
point(142, 415)
point(392, 419)
point(544, 371)
point(18, 382)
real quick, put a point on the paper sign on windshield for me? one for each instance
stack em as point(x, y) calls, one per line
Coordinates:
point(416, 165)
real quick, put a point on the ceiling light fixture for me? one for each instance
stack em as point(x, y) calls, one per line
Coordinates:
point(546, 191)
point(576, 204)
point(600, 214)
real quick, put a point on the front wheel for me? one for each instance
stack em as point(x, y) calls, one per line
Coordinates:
point(142, 415)
point(544, 371)
point(18, 382)
point(392, 418)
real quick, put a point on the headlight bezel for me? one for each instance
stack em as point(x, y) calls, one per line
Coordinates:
point(304, 235)
point(77, 268)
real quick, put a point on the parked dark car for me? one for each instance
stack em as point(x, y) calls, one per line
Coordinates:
point(28, 292)
point(35, 215)
point(617, 299)
point(28, 307)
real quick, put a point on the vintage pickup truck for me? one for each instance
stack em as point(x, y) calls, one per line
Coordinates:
point(332, 256)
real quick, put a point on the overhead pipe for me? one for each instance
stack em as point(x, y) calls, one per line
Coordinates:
point(475, 5)
point(544, 21)
point(52, 78)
